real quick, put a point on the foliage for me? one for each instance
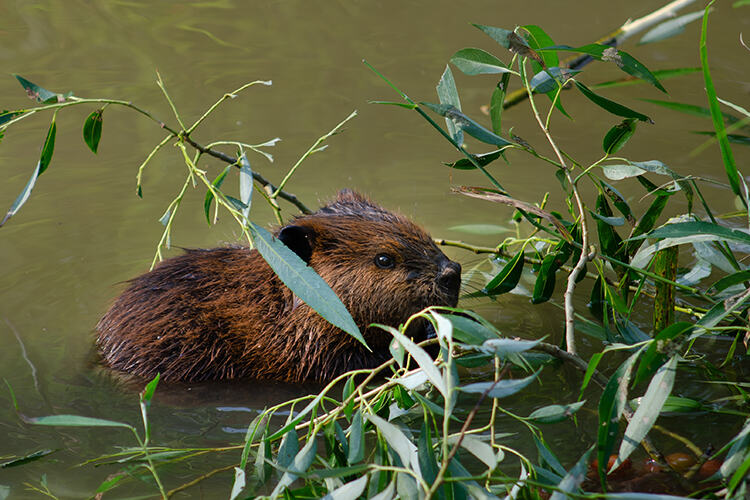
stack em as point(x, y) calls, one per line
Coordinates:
point(399, 430)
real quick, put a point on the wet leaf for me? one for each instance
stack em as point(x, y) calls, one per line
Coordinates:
point(422, 359)
point(404, 448)
point(288, 449)
point(618, 136)
point(301, 463)
point(210, 195)
point(76, 421)
point(473, 61)
point(478, 448)
point(648, 411)
point(472, 332)
point(611, 106)
point(611, 405)
point(356, 439)
point(555, 413)
point(92, 130)
point(448, 96)
point(499, 389)
point(303, 281)
point(350, 491)
point(508, 277)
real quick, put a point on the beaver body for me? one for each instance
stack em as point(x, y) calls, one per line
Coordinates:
point(222, 313)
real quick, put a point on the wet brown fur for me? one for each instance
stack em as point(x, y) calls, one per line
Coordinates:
point(222, 313)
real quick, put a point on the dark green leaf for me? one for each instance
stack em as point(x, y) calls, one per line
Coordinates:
point(26, 459)
point(547, 458)
point(555, 413)
point(611, 405)
point(427, 462)
point(288, 449)
point(611, 106)
point(303, 281)
point(500, 35)
point(618, 136)
point(538, 38)
point(6, 116)
point(659, 74)
point(44, 160)
point(507, 279)
point(148, 391)
point(670, 28)
point(697, 228)
point(392, 103)
point(473, 61)
point(448, 96)
point(500, 388)
point(497, 102)
point(690, 109)
point(468, 125)
point(647, 222)
point(356, 439)
point(482, 159)
point(732, 279)
point(716, 116)
point(733, 138)
point(724, 308)
point(550, 79)
point(572, 479)
point(92, 130)
point(36, 92)
point(609, 240)
point(544, 285)
point(210, 195)
point(469, 331)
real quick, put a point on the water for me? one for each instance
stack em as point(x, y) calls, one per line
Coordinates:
point(84, 231)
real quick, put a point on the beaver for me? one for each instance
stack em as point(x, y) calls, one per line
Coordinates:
point(222, 313)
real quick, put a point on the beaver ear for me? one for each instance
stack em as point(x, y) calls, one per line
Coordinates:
point(299, 239)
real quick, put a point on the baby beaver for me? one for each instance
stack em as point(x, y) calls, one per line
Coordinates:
point(222, 313)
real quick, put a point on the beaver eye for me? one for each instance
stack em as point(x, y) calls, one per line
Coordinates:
point(384, 261)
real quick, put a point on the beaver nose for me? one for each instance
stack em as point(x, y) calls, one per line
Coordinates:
point(449, 277)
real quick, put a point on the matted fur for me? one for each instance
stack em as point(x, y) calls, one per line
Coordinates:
point(222, 313)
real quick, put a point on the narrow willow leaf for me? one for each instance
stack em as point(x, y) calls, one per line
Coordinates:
point(471, 332)
point(246, 185)
point(76, 421)
point(618, 136)
point(482, 159)
point(484, 229)
point(731, 280)
point(620, 58)
point(499, 389)
point(404, 448)
point(304, 282)
point(92, 130)
point(670, 28)
point(726, 151)
point(611, 106)
point(239, 483)
point(674, 404)
point(210, 195)
point(350, 491)
point(473, 61)
point(612, 221)
point(393, 103)
point(555, 413)
point(356, 439)
point(36, 92)
point(478, 448)
point(538, 38)
point(508, 277)
point(387, 493)
point(550, 79)
point(733, 138)
point(648, 411)
point(508, 347)
point(301, 463)
point(717, 313)
point(497, 102)
point(288, 449)
point(548, 459)
point(448, 96)
point(6, 116)
point(690, 109)
point(468, 125)
point(573, 478)
point(501, 36)
point(661, 74)
point(611, 405)
point(544, 285)
point(647, 222)
point(26, 459)
point(698, 228)
point(422, 359)
point(425, 454)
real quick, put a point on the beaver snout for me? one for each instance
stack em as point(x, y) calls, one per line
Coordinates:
point(449, 279)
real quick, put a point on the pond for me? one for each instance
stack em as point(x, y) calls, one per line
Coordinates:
point(84, 231)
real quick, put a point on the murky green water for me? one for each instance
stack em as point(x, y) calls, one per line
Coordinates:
point(84, 230)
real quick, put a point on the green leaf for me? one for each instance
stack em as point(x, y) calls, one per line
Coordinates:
point(356, 439)
point(744, 140)
point(478, 448)
point(288, 449)
point(469, 331)
point(350, 491)
point(6, 116)
point(611, 405)
point(399, 443)
point(484, 229)
point(422, 359)
point(689, 109)
point(654, 356)
point(473, 61)
point(76, 421)
point(246, 185)
point(573, 478)
point(648, 411)
point(299, 466)
point(673, 404)
point(26, 459)
point(618, 136)
point(659, 74)
point(210, 195)
point(425, 454)
point(609, 240)
point(507, 347)
point(304, 282)
point(44, 160)
point(500, 388)
point(550, 79)
point(463, 122)
point(538, 38)
point(497, 102)
point(713, 103)
point(697, 228)
point(148, 391)
point(544, 285)
point(620, 58)
point(731, 280)
point(501, 36)
point(482, 159)
point(448, 96)
point(647, 221)
point(611, 106)
point(670, 28)
point(36, 92)
point(724, 308)
point(555, 413)
point(92, 130)
point(393, 103)
point(508, 277)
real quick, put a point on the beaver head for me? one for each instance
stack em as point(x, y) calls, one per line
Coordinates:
point(383, 267)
